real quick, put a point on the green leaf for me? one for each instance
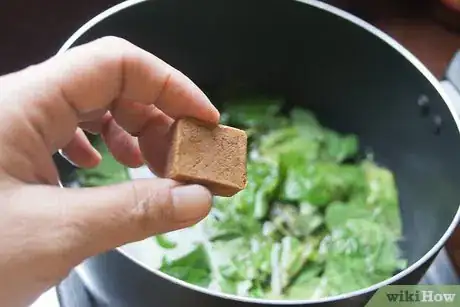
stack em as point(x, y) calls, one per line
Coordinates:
point(263, 180)
point(164, 242)
point(249, 264)
point(294, 255)
point(256, 114)
point(292, 145)
point(305, 118)
point(308, 284)
point(322, 183)
point(298, 221)
point(108, 172)
point(377, 201)
point(193, 267)
point(383, 196)
point(309, 271)
point(358, 254)
point(338, 214)
point(339, 148)
point(241, 214)
point(314, 288)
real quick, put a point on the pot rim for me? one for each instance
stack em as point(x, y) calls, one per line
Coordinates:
point(384, 37)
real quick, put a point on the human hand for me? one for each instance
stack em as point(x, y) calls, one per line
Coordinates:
point(131, 98)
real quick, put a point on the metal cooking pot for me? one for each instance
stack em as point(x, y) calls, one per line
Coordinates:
point(354, 77)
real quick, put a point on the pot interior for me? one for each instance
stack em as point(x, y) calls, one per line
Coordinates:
point(351, 79)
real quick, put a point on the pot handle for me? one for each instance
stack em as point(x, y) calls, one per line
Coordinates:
point(451, 81)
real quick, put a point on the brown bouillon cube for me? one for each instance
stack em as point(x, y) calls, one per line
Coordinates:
point(213, 156)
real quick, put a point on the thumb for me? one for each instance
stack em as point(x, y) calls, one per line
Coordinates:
point(99, 219)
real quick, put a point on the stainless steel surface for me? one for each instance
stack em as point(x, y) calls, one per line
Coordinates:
point(314, 54)
point(441, 271)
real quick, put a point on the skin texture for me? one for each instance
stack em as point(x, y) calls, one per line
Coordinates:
point(131, 98)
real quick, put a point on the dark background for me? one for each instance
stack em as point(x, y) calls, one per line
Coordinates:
point(33, 30)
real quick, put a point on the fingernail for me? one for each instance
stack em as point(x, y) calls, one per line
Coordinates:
point(191, 202)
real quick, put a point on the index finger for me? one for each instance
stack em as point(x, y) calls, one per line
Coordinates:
point(92, 77)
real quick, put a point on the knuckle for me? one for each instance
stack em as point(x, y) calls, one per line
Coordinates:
point(113, 50)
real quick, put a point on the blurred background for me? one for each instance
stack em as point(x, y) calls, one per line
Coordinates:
point(33, 30)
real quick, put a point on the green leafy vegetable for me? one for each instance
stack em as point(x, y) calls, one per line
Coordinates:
point(109, 171)
point(249, 267)
point(193, 267)
point(383, 196)
point(288, 258)
point(308, 284)
point(339, 148)
point(255, 115)
point(165, 242)
point(241, 215)
point(321, 183)
point(297, 221)
point(358, 254)
point(314, 220)
point(251, 112)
